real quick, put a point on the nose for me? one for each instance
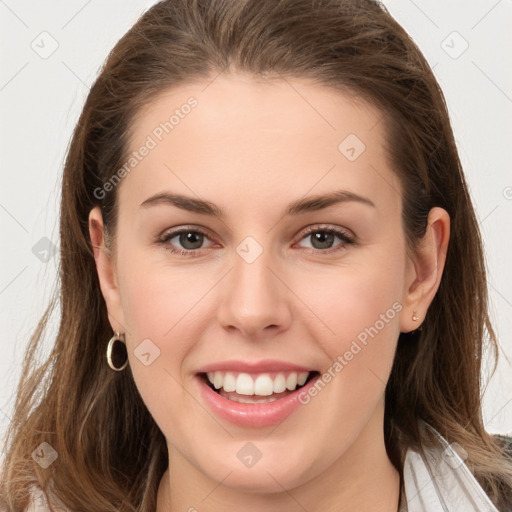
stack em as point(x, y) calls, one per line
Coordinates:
point(255, 299)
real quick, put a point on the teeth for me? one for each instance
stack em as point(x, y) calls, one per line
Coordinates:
point(261, 385)
point(291, 381)
point(244, 384)
point(229, 382)
point(279, 383)
point(246, 400)
point(301, 378)
point(218, 381)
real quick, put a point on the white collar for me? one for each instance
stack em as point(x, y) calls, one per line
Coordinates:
point(441, 482)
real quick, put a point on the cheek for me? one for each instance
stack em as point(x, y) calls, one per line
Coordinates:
point(160, 300)
point(162, 314)
point(162, 322)
point(360, 302)
point(359, 312)
point(359, 308)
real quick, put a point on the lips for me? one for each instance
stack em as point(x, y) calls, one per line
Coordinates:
point(257, 394)
point(265, 365)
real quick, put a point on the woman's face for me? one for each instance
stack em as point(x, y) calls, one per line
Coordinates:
point(291, 259)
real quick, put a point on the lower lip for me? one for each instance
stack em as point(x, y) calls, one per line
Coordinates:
point(253, 415)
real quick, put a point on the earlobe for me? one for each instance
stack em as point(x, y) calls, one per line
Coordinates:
point(105, 267)
point(426, 269)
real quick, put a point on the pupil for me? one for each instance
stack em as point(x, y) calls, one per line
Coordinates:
point(324, 238)
point(192, 238)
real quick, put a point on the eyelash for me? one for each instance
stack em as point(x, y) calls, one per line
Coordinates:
point(342, 235)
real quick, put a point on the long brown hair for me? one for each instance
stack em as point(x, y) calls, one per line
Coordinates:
point(111, 454)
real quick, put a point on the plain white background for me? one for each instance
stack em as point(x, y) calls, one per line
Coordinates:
point(51, 53)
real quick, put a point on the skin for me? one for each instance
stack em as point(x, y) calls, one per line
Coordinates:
point(252, 147)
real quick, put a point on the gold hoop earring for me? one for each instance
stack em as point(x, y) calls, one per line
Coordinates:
point(110, 348)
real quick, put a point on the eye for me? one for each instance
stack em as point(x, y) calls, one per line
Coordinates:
point(191, 239)
point(323, 238)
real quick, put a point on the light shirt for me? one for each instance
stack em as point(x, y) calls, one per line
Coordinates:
point(441, 482)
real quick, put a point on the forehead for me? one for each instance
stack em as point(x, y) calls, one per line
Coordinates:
point(236, 136)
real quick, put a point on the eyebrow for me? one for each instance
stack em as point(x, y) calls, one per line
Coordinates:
point(308, 204)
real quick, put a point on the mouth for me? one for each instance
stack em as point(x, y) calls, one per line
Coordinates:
point(257, 388)
point(255, 395)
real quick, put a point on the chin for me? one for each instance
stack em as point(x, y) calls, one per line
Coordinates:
point(269, 476)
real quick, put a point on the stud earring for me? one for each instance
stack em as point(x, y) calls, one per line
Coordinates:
point(415, 317)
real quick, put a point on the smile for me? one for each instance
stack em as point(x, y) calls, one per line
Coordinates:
point(254, 399)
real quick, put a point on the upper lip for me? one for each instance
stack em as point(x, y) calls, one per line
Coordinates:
point(265, 365)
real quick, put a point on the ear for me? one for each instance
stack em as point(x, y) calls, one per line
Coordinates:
point(425, 269)
point(105, 266)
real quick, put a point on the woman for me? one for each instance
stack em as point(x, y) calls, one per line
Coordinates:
point(273, 292)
